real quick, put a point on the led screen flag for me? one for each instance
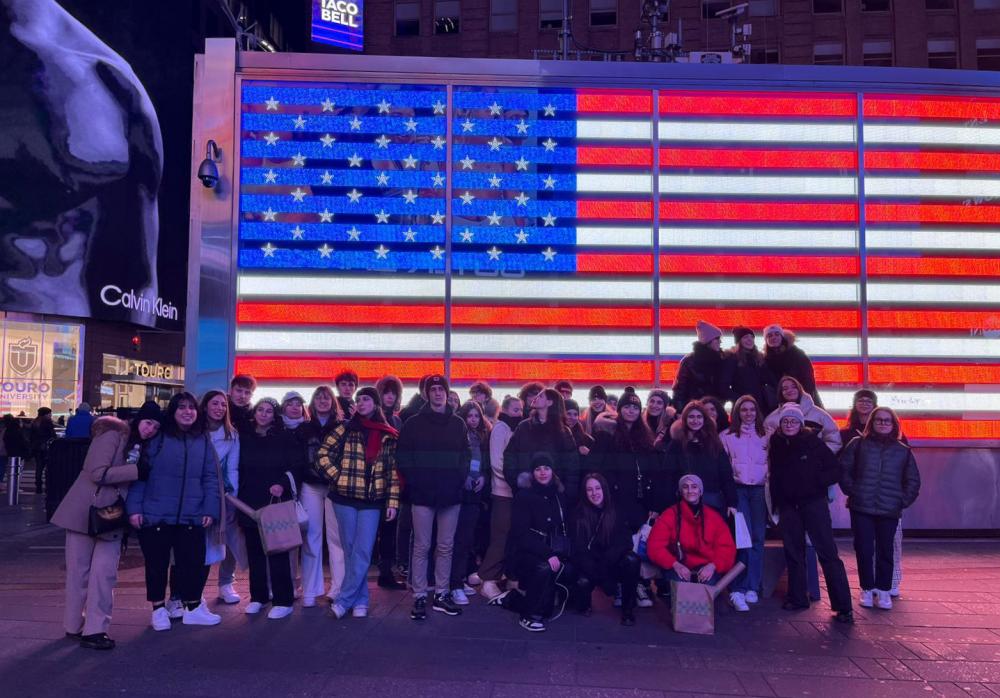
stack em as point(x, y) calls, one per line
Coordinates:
point(339, 23)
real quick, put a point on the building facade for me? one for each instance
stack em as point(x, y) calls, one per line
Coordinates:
point(961, 34)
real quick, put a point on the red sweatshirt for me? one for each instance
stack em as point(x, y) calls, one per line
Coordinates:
point(704, 538)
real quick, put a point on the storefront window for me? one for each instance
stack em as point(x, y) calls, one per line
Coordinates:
point(130, 382)
point(39, 365)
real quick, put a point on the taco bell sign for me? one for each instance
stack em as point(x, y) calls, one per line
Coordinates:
point(339, 23)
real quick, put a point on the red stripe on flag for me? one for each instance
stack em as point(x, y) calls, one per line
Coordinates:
point(614, 102)
point(785, 212)
point(728, 265)
point(826, 372)
point(828, 319)
point(750, 104)
point(934, 374)
point(759, 159)
point(933, 320)
point(942, 161)
point(933, 266)
point(258, 313)
point(951, 429)
point(926, 107)
point(987, 214)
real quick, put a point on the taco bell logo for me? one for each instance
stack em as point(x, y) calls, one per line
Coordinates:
point(22, 356)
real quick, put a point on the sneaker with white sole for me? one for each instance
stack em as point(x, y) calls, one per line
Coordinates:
point(277, 612)
point(490, 590)
point(175, 609)
point(894, 592)
point(865, 598)
point(469, 591)
point(338, 611)
point(884, 599)
point(642, 597)
point(498, 599)
point(459, 597)
point(443, 603)
point(253, 608)
point(227, 594)
point(359, 612)
point(738, 601)
point(201, 616)
point(308, 602)
point(751, 597)
point(532, 625)
point(161, 620)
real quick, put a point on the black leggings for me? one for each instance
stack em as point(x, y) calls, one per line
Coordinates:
point(188, 546)
point(595, 572)
point(281, 572)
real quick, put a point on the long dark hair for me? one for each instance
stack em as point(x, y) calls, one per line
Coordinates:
point(637, 438)
point(483, 430)
point(227, 425)
point(755, 355)
point(555, 420)
point(593, 523)
point(736, 425)
point(169, 426)
point(708, 435)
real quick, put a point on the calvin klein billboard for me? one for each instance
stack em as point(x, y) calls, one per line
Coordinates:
point(81, 164)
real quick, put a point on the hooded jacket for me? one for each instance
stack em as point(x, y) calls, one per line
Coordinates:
point(802, 468)
point(635, 478)
point(531, 437)
point(704, 537)
point(433, 458)
point(715, 471)
point(699, 373)
point(539, 514)
point(311, 435)
point(816, 418)
point(879, 476)
point(790, 360)
point(394, 385)
point(593, 558)
point(341, 462)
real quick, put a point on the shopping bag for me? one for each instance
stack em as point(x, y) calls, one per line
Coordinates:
point(692, 605)
point(742, 532)
point(300, 511)
point(640, 540)
point(279, 527)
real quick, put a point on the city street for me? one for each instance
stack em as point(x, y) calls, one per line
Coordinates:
point(943, 638)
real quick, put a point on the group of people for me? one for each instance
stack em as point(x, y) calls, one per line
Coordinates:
point(529, 500)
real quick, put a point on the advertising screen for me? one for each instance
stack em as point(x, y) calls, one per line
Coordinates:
point(339, 23)
point(39, 366)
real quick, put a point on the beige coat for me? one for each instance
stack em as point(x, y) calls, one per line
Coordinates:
point(106, 454)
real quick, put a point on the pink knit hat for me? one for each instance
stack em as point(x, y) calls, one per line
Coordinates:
point(707, 332)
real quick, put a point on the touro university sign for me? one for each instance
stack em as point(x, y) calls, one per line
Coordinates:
point(22, 356)
point(339, 23)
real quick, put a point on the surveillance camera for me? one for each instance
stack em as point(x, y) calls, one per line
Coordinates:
point(208, 173)
point(733, 11)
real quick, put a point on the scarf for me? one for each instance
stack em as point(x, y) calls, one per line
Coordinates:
point(373, 441)
point(512, 422)
point(292, 423)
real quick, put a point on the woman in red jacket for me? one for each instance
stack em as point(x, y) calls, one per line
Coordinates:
point(690, 541)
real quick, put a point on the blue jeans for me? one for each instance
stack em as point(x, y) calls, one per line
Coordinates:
point(751, 504)
point(358, 528)
point(671, 576)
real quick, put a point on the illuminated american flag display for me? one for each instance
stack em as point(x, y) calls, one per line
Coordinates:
point(552, 256)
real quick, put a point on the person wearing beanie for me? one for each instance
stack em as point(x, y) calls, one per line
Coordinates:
point(390, 389)
point(862, 405)
point(545, 431)
point(815, 417)
point(41, 433)
point(746, 372)
point(584, 441)
point(565, 388)
point(358, 460)
point(784, 358)
point(294, 415)
point(78, 426)
point(481, 392)
point(659, 415)
point(691, 541)
point(880, 478)
point(434, 459)
point(695, 448)
point(597, 403)
point(801, 470)
point(700, 373)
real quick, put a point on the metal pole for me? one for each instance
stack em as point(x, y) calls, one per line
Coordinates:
point(566, 30)
point(14, 467)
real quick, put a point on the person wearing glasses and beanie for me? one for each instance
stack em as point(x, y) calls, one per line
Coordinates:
point(880, 478)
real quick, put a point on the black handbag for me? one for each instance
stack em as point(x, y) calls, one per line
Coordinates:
point(106, 519)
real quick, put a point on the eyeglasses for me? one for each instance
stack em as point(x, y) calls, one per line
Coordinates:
point(864, 400)
point(885, 422)
point(788, 422)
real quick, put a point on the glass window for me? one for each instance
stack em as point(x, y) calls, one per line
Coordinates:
point(446, 16)
point(876, 5)
point(503, 15)
point(407, 19)
point(831, 53)
point(550, 14)
point(763, 8)
point(39, 367)
point(940, 4)
point(603, 13)
point(764, 54)
point(988, 54)
point(941, 53)
point(986, 4)
point(878, 53)
point(826, 7)
point(710, 7)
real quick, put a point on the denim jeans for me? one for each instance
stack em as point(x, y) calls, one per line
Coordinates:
point(751, 504)
point(358, 528)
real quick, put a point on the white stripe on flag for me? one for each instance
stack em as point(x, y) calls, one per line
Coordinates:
point(672, 289)
point(931, 186)
point(936, 347)
point(337, 341)
point(577, 290)
point(759, 238)
point(548, 342)
point(934, 294)
point(757, 131)
point(426, 287)
point(936, 135)
point(758, 185)
point(964, 240)
point(599, 129)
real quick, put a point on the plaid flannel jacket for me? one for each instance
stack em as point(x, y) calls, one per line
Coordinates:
point(341, 462)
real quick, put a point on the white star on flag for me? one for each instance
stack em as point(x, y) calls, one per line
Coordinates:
point(466, 235)
point(298, 160)
point(271, 138)
point(324, 251)
point(549, 110)
point(494, 218)
point(354, 195)
point(522, 237)
point(299, 122)
point(522, 127)
point(383, 107)
point(438, 142)
point(325, 216)
point(382, 179)
point(355, 123)
point(297, 232)
point(494, 253)
point(382, 217)
point(410, 161)
point(495, 109)
point(268, 250)
point(269, 214)
point(327, 140)
point(495, 182)
point(549, 254)
point(381, 252)
point(272, 104)
point(549, 182)
point(354, 233)
point(410, 196)
point(354, 160)
point(437, 252)
point(270, 177)
point(522, 199)
point(410, 124)
point(467, 163)
point(326, 177)
point(467, 126)
point(383, 141)
point(549, 219)
point(439, 107)
point(437, 218)
point(522, 163)
point(327, 104)
point(299, 194)
point(467, 198)
point(438, 179)
point(410, 235)
point(550, 145)
point(495, 143)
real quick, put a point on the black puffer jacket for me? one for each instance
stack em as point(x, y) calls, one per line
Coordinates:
point(801, 467)
point(531, 437)
point(594, 558)
point(714, 469)
point(637, 479)
point(433, 457)
point(749, 379)
point(267, 460)
point(879, 476)
point(539, 515)
point(699, 374)
point(311, 435)
point(789, 360)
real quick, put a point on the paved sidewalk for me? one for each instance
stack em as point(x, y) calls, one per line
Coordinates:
point(942, 639)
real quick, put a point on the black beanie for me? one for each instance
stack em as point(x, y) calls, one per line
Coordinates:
point(739, 332)
point(598, 392)
point(572, 404)
point(436, 379)
point(370, 392)
point(865, 392)
point(629, 398)
point(149, 410)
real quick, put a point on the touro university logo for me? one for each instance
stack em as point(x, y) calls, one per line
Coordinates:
point(22, 356)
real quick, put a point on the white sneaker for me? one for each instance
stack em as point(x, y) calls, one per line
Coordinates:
point(279, 612)
point(459, 597)
point(642, 597)
point(739, 601)
point(338, 611)
point(201, 616)
point(227, 594)
point(884, 600)
point(175, 609)
point(161, 619)
point(490, 590)
point(751, 597)
point(865, 600)
point(360, 612)
point(253, 608)
point(469, 591)
point(474, 579)
point(308, 601)
point(894, 592)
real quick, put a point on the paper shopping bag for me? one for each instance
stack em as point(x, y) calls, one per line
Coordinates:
point(692, 607)
point(742, 532)
point(279, 527)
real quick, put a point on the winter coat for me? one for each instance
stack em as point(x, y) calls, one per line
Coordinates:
point(470, 496)
point(312, 434)
point(41, 433)
point(228, 452)
point(715, 470)
point(749, 379)
point(539, 515)
point(105, 460)
point(748, 455)
point(499, 438)
point(433, 458)
point(816, 418)
point(341, 462)
point(240, 417)
point(594, 559)
point(78, 427)
point(531, 437)
point(183, 484)
point(698, 374)
point(704, 537)
point(802, 468)
point(879, 476)
point(265, 461)
point(413, 407)
point(790, 360)
point(636, 478)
